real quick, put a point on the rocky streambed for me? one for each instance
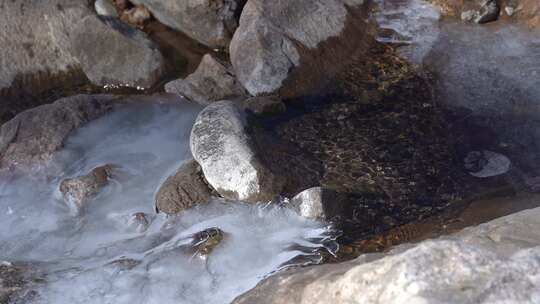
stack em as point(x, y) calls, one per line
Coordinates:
point(300, 133)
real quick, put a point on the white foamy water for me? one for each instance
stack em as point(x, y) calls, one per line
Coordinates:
point(77, 252)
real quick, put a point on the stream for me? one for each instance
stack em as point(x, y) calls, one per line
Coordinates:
point(100, 256)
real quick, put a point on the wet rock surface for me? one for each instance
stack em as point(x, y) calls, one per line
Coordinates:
point(232, 164)
point(183, 190)
point(292, 47)
point(209, 22)
point(496, 261)
point(31, 138)
point(212, 81)
point(16, 281)
point(78, 191)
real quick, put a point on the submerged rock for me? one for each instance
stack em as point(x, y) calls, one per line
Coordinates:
point(139, 221)
point(183, 190)
point(320, 203)
point(486, 164)
point(16, 281)
point(211, 82)
point(293, 45)
point(123, 56)
point(79, 190)
point(209, 22)
point(31, 138)
point(495, 262)
point(222, 145)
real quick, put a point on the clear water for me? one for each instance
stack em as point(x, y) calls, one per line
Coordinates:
point(77, 251)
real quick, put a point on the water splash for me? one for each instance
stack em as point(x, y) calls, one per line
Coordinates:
point(100, 256)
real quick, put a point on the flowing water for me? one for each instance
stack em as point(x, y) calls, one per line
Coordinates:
point(99, 255)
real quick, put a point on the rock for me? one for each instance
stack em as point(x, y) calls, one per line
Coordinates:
point(488, 12)
point(486, 164)
point(35, 41)
point(54, 43)
point(221, 143)
point(16, 282)
point(124, 56)
point(136, 16)
point(494, 262)
point(210, 22)
point(183, 190)
point(105, 8)
point(292, 46)
point(211, 82)
point(320, 204)
point(139, 221)
point(31, 138)
point(79, 190)
point(264, 105)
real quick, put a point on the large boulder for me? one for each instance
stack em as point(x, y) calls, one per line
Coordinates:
point(222, 144)
point(207, 21)
point(211, 82)
point(495, 262)
point(292, 46)
point(59, 43)
point(32, 137)
point(183, 190)
point(111, 52)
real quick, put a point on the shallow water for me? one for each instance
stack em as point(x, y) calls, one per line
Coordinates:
point(77, 251)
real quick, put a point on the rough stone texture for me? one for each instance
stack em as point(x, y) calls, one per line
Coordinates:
point(30, 139)
point(221, 144)
point(495, 262)
point(45, 39)
point(183, 190)
point(16, 282)
point(211, 82)
point(121, 56)
point(264, 105)
point(79, 190)
point(35, 37)
point(289, 45)
point(207, 21)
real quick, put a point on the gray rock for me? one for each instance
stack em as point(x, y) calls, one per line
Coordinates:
point(183, 190)
point(124, 56)
point(105, 8)
point(320, 204)
point(222, 145)
point(46, 44)
point(78, 191)
point(35, 39)
point(31, 138)
point(281, 42)
point(265, 105)
point(211, 82)
point(207, 21)
point(495, 262)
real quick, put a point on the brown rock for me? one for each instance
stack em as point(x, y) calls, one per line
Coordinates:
point(183, 190)
point(79, 190)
